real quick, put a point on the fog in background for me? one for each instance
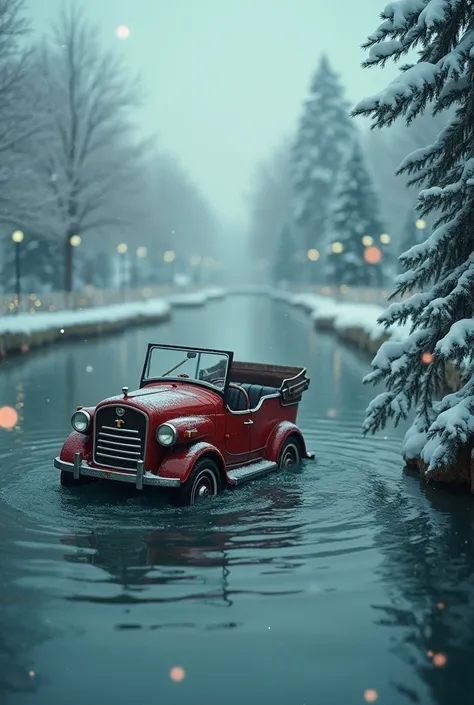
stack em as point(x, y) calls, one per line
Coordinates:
point(220, 89)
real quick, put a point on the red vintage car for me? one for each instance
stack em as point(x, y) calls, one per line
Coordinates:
point(199, 422)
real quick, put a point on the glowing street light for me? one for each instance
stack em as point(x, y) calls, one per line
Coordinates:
point(420, 224)
point(169, 256)
point(367, 241)
point(75, 240)
point(142, 252)
point(385, 239)
point(337, 248)
point(313, 255)
point(17, 239)
point(122, 248)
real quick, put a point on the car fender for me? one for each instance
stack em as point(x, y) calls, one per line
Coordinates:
point(180, 462)
point(77, 443)
point(278, 436)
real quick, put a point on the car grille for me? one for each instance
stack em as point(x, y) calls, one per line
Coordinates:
point(119, 445)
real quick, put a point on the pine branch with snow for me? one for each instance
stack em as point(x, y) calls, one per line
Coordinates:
point(439, 272)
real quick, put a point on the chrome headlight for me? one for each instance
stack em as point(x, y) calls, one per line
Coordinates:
point(81, 421)
point(166, 434)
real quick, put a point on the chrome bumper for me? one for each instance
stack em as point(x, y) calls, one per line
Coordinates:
point(139, 479)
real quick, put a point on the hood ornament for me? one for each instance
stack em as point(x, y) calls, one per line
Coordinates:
point(125, 392)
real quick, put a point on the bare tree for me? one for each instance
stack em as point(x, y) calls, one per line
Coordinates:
point(88, 157)
point(19, 113)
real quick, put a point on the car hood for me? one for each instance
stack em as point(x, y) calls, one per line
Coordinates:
point(169, 400)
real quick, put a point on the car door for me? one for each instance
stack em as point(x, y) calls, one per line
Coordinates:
point(264, 418)
point(237, 437)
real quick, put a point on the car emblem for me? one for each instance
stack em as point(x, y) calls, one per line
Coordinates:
point(120, 411)
point(119, 423)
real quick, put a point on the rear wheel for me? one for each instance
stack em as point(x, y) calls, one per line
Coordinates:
point(203, 482)
point(290, 455)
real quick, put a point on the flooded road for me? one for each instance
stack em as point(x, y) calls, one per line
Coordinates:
point(342, 583)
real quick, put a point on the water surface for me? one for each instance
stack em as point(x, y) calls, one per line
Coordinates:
point(304, 587)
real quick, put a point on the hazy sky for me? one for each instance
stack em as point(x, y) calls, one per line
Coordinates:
point(225, 78)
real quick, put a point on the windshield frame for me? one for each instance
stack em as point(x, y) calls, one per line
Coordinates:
point(222, 391)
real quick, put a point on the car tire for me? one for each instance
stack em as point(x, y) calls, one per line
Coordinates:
point(203, 482)
point(290, 455)
point(67, 479)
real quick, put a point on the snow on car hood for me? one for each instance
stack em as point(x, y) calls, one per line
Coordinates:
point(172, 399)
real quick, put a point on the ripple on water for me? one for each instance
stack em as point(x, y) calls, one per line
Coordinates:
point(29, 483)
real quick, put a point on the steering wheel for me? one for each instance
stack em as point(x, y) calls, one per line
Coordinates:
point(235, 386)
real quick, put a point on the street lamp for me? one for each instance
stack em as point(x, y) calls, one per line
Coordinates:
point(17, 239)
point(74, 241)
point(122, 250)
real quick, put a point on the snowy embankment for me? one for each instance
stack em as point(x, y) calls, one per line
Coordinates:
point(356, 324)
point(19, 333)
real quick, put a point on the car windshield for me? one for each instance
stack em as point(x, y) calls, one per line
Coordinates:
point(194, 364)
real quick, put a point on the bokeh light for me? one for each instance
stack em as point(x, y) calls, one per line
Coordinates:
point(169, 256)
point(142, 252)
point(385, 239)
point(367, 241)
point(122, 248)
point(439, 660)
point(370, 695)
point(313, 254)
point(337, 248)
point(427, 358)
point(17, 236)
point(8, 417)
point(420, 224)
point(372, 255)
point(195, 260)
point(177, 674)
point(122, 31)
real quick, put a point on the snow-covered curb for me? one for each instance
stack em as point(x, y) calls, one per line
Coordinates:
point(20, 332)
point(345, 318)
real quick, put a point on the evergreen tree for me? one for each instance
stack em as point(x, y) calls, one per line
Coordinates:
point(284, 267)
point(441, 269)
point(324, 133)
point(354, 215)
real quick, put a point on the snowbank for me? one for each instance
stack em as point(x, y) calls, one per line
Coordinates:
point(25, 330)
point(347, 319)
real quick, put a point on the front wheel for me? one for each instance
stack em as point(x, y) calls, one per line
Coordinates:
point(203, 482)
point(290, 455)
point(67, 479)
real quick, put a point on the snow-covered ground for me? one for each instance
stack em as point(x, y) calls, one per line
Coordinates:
point(344, 315)
point(29, 323)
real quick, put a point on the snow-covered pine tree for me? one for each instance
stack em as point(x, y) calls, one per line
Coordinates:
point(441, 269)
point(324, 132)
point(412, 235)
point(354, 215)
